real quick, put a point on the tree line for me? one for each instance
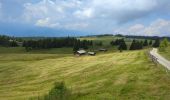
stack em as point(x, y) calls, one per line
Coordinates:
point(76, 44)
point(7, 41)
point(135, 45)
point(56, 43)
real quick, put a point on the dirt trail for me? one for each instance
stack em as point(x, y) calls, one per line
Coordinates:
point(160, 59)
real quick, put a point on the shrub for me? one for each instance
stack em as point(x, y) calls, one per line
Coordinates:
point(58, 92)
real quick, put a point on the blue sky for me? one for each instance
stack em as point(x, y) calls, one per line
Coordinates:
point(80, 17)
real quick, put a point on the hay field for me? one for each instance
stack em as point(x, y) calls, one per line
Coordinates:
point(107, 76)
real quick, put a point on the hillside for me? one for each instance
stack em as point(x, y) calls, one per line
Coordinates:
point(166, 53)
point(121, 76)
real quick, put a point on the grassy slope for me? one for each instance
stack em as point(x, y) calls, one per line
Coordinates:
point(166, 53)
point(120, 76)
point(21, 50)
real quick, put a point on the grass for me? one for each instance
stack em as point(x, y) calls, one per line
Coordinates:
point(166, 53)
point(107, 76)
point(21, 50)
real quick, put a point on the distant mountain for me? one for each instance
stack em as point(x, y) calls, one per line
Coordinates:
point(21, 30)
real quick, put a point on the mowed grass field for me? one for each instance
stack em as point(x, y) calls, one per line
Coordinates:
point(108, 76)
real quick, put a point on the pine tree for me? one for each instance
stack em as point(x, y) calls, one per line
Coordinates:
point(122, 45)
point(132, 47)
point(145, 43)
point(136, 45)
point(156, 43)
point(150, 43)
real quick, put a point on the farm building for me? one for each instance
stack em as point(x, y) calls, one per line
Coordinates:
point(20, 43)
point(102, 49)
point(81, 52)
point(92, 53)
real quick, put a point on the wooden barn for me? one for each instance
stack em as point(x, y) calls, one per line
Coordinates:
point(91, 53)
point(102, 49)
point(80, 52)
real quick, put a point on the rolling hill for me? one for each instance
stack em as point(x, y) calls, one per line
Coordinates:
point(107, 76)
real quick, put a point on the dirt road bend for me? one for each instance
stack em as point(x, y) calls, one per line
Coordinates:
point(160, 59)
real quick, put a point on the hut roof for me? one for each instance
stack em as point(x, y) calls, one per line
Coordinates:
point(81, 51)
point(92, 53)
point(102, 49)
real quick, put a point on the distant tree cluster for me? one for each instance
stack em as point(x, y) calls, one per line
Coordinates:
point(145, 43)
point(117, 42)
point(4, 40)
point(13, 43)
point(156, 43)
point(56, 43)
point(146, 37)
point(100, 43)
point(81, 44)
point(150, 43)
point(102, 35)
point(7, 41)
point(136, 45)
point(120, 43)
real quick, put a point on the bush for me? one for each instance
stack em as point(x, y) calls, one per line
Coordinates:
point(58, 92)
point(163, 45)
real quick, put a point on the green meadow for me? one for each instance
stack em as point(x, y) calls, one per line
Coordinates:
point(129, 75)
point(166, 53)
point(111, 75)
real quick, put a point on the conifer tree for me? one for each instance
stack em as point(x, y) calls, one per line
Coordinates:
point(122, 45)
point(156, 43)
point(145, 43)
point(150, 43)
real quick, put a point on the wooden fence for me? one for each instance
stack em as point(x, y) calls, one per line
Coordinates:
point(153, 58)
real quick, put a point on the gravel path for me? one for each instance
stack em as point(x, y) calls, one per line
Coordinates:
point(160, 59)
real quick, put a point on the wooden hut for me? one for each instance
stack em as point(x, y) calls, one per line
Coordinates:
point(80, 52)
point(102, 49)
point(91, 53)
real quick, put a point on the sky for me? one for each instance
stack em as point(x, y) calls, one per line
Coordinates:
point(84, 17)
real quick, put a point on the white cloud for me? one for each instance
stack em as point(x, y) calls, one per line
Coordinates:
point(56, 14)
point(159, 27)
point(136, 28)
point(46, 23)
point(117, 10)
point(94, 14)
point(83, 14)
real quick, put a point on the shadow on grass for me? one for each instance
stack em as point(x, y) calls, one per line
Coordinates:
point(58, 92)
